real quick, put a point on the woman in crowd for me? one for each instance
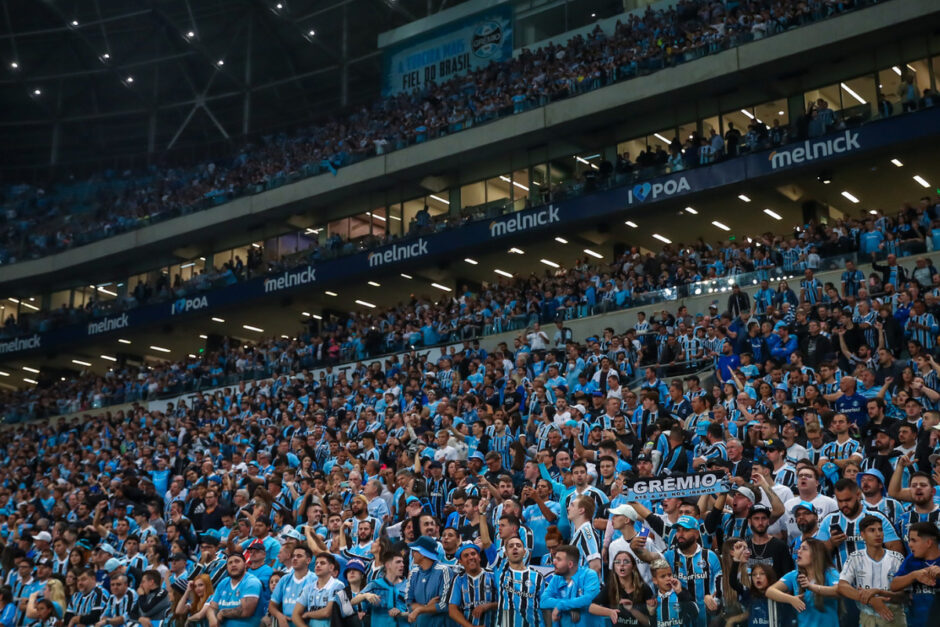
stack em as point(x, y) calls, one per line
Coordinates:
point(626, 599)
point(811, 589)
point(193, 603)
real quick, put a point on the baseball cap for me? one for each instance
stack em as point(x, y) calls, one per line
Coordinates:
point(467, 546)
point(774, 445)
point(746, 492)
point(643, 457)
point(687, 522)
point(114, 563)
point(43, 536)
point(803, 505)
point(625, 510)
point(758, 508)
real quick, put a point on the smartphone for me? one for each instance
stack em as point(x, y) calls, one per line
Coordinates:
point(644, 532)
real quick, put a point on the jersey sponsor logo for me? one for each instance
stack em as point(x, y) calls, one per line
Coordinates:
point(812, 150)
point(520, 222)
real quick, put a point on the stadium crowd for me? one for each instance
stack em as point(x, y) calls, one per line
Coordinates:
point(794, 432)
point(586, 288)
point(35, 222)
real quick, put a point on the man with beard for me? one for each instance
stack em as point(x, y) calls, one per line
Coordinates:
point(695, 567)
point(840, 530)
point(872, 483)
point(807, 524)
point(235, 602)
point(920, 493)
point(572, 588)
point(360, 510)
point(764, 548)
point(881, 455)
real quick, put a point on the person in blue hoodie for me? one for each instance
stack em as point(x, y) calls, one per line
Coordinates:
point(571, 590)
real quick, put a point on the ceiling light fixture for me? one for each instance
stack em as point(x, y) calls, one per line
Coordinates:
point(851, 197)
point(593, 253)
point(631, 224)
point(744, 198)
point(160, 349)
point(81, 363)
point(374, 284)
point(123, 341)
point(773, 214)
point(921, 181)
point(692, 211)
point(108, 357)
point(330, 293)
point(472, 262)
point(549, 263)
point(406, 276)
point(214, 319)
point(720, 225)
point(365, 304)
point(561, 240)
point(441, 287)
point(439, 199)
point(897, 163)
point(28, 369)
point(664, 240)
point(248, 327)
point(516, 251)
point(853, 93)
point(502, 273)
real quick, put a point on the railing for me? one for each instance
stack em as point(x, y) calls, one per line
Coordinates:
point(346, 355)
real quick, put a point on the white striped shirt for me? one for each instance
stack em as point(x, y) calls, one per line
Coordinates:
point(864, 573)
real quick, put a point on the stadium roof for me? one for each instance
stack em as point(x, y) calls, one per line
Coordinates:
point(90, 80)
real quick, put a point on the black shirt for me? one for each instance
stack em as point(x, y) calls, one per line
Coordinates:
point(775, 554)
point(624, 615)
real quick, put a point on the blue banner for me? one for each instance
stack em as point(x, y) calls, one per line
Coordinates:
point(447, 51)
point(618, 203)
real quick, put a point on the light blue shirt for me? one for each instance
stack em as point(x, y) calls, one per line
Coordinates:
point(227, 597)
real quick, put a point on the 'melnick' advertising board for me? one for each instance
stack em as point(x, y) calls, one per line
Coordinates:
point(619, 202)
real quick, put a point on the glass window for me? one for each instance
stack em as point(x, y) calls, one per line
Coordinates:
point(60, 299)
point(9, 309)
point(631, 148)
point(859, 97)
point(540, 185)
point(498, 193)
point(410, 209)
point(395, 219)
point(773, 110)
point(521, 190)
point(438, 203)
point(473, 195)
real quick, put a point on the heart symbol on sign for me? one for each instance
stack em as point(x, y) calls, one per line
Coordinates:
point(641, 192)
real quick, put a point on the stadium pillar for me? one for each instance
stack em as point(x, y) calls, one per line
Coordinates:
point(796, 108)
point(246, 104)
point(344, 60)
point(54, 149)
point(453, 195)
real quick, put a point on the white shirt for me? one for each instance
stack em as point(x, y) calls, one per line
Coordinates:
point(863, 572)
point(824, 505)
point(537, 340)
point(620, 544)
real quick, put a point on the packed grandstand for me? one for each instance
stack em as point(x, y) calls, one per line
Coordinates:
point(710, 433)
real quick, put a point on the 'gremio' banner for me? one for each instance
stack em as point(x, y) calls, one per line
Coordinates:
point(676, 486)
point(447, 51)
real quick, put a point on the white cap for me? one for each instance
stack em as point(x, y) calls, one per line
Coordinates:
point(625, 510)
